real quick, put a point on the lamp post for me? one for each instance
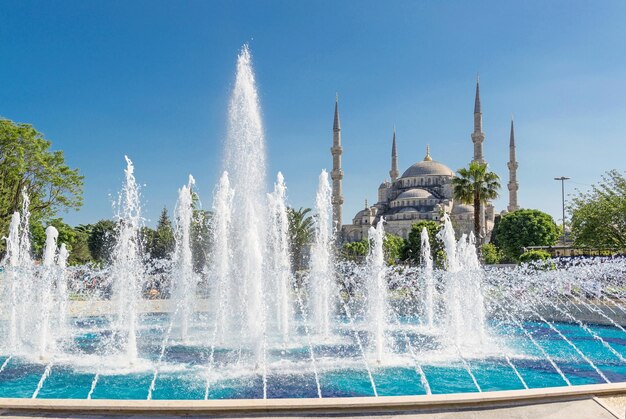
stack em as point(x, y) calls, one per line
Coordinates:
point(563, 179)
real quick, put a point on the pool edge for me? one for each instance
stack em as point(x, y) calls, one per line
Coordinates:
point(452, 401)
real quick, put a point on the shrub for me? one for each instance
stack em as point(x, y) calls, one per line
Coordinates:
point(534, 256)
point(491, 254)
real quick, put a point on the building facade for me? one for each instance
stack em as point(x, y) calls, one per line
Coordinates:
point(424, 192)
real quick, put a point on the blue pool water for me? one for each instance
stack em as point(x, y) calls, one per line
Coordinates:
point(341, 371)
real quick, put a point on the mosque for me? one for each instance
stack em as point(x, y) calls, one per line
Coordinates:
point(423, 192)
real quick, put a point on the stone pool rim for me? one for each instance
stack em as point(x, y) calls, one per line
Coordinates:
point(438, 402)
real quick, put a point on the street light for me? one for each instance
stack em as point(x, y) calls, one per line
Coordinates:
point(563, 179)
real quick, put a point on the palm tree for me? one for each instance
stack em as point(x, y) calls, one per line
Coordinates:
point(301, 230)
point(475, 185)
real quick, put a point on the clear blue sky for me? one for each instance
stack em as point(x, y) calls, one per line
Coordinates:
point(151, 79)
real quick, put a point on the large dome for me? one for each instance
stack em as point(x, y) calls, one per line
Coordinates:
point(415, 193)
point(426, 168)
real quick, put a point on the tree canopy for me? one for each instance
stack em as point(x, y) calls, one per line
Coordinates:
point(27, 163)
point(67, 235)
point(101, 240)
point(159, 243)
point(357, 251)
point(476, 185)
point(413, 245)
point(523, 228)
point(598, 217)
point(301, 230)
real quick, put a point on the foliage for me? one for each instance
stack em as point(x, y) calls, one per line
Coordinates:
point(475, 185)
point(67, 235)
point(599, 215)
point(412, 250)
point(393, 246)
point(200, 238)
point(301, 231)
point(101, 241)
point(160, 243)
point(524, 228)
point(27, 163)
point(357, 251)
point(491, 254)
point(80, 254)
point(534, 256)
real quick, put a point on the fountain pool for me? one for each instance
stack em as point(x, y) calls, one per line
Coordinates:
point(246, 327)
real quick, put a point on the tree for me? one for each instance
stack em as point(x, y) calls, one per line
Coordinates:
point(27, 164)
point(301, 230)
point(599, 215)
point(524, 228)
point(160, 243)
point(200, 238)
point(393, 246)
point(534, 256)
point(412, 250)
point(357, 251)
point(491, 254)
point(80, 254)
point(476, 186)
point(67, 235)
point(101, 240)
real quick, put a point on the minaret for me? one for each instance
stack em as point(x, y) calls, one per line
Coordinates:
point(393, 173)
point(513, 185)
point(478, 136)
point(337, 174)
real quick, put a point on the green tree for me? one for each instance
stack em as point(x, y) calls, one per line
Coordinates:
point(200, 238)
point(524, 228)
point(491, 254)
point(476, 185)
point(160, 243)
point(67, 235)
point(534, 256)
point(412, 250)
point(598, 217)
point(393, 246)
point(357, 251)
point(301, 231)
point(101, 241)
point(27, 163)
point(80, 254)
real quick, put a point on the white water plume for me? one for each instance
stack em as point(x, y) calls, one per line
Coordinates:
point(429, 280)
point(322, 272)
point(279, 254)
point(377, 291)
point(245, 163)
point(184, 279)
point(127, 269)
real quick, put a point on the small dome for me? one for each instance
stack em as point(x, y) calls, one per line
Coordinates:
point(362, 213)
point(462, 209)
point(384, 185)
point(428, 167)
point(407, 209)
point(416, 193)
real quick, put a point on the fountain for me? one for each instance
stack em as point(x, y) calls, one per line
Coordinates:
point(377, 293)
point(429, 280)
point(184, 291)
point(245, 328)
point(321, 273)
